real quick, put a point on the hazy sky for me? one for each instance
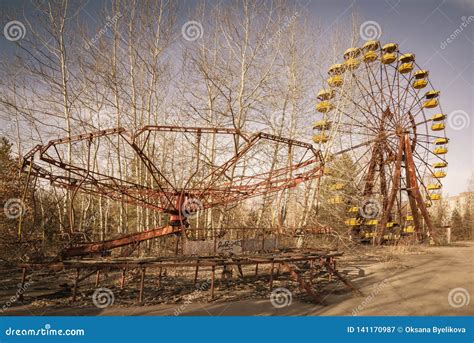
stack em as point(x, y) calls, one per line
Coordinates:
point(421, 27)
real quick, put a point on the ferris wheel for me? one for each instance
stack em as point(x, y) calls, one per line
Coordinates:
point(380, 111)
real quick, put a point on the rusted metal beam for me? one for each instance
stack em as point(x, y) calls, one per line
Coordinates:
point(271, 275)
point(122, 279)
point(142, 285)
point(213, 278)
point(415, 190)
point(411, 184)
point(86, 276)
point(174, 262)
point(369, 178)
point(393, 193)
point(302, 284)
point(349, 284)
point(84, 136)
point(98, 247)
point(97, 278)
point(196, 272)
point(76, 284)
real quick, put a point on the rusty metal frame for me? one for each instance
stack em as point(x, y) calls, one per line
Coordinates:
point(286, 260)
point(414, 190)
point(415, 199)
point(133, 238)
point(164, 194)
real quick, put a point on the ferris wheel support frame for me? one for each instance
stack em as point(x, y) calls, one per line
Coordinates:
point(415, 198)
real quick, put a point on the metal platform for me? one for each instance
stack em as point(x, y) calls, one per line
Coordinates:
point(281, 260)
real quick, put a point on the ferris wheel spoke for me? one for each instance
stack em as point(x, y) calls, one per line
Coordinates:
point(393, 147)
point(373, 158)
point(417, 102)
point(362, 169)
point(371, 94)
point(416, 106)
point(365, 166)
point(362, 155)
point(422, 160)
point(397, 108)
point(395, 76)
point(406, 92)
point(408, 89)
point(408, 110)
point(360, 145)
point(355, 120)
point(420, 110)
point(420, 177)
point(391, 170)
point(431, 152)
point(387, 79)
point(378, 85)
point(364, 110)
point(395, 100)
point(370, 179)
point(422, 122)
point(391, 87)
point(353, 175)
point(349, 132)
point(428, 135)
point(382, 89)
point(424, 141)
point(350, 127)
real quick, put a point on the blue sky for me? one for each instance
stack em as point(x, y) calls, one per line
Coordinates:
point(422, 27)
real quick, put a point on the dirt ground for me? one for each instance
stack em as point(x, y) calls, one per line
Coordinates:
point(395, 281)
